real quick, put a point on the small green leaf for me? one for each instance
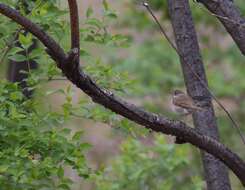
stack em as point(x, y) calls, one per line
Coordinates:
point(18, 58)
point(60, 172)
point(64, 186)
point(83, 53)
point(105, 5)
point(85, 146)
point(94, 22)
point(89, 12)
point(35, 53)
point(77, 135)
point(16, 96)
point(26, 41)
point(15, 50)
point(3, 168)
point(66, 131)
point(111, 14)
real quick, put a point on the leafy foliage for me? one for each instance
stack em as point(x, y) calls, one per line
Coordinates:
point(149, 167)
point(34, 149)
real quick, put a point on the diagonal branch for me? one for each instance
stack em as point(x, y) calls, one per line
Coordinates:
point(226, 12)
point(109, 100)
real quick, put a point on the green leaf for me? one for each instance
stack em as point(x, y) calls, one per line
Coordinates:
point(18, 58)
point(105, 5)
point(15, 50)
point(37, 52)
point(66, 131)
point(64, 186)
point(77, 136)
point(111, 14)
point(26, 41)
point(16, 96)
point(3, 168)
point(60, 172)
point(85, 146)
point(94, 22)
point(89, 12)
point(83, 53)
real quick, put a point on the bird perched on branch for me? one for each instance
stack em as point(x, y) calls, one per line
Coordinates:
point(183, 104)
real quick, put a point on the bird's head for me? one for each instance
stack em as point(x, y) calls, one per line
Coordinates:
point(177, 92)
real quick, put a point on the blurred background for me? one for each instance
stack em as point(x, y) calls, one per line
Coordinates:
point(138, 64)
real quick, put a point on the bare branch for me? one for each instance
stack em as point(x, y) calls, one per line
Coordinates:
point(74, 20)
point(109, 100)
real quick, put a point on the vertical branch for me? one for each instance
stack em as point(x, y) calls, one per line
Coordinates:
point(216, 174)
point(74, 19)
point(74, 55)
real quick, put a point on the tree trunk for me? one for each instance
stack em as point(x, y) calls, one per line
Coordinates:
point(216, 174)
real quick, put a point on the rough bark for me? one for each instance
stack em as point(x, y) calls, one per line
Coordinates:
point(230, 16)
point(216, 174)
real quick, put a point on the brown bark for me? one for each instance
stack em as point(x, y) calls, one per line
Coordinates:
point(216, 174)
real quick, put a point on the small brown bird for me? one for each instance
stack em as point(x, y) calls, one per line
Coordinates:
point(184, 104)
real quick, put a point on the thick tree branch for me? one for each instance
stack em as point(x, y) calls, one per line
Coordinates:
point(230, 16)
point(109, 100)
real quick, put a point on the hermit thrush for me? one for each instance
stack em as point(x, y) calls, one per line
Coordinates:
point(183, 104)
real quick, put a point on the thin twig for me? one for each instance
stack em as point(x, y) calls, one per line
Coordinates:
point(160, 26)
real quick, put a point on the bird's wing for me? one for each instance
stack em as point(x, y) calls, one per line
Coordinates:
point(185, 101)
